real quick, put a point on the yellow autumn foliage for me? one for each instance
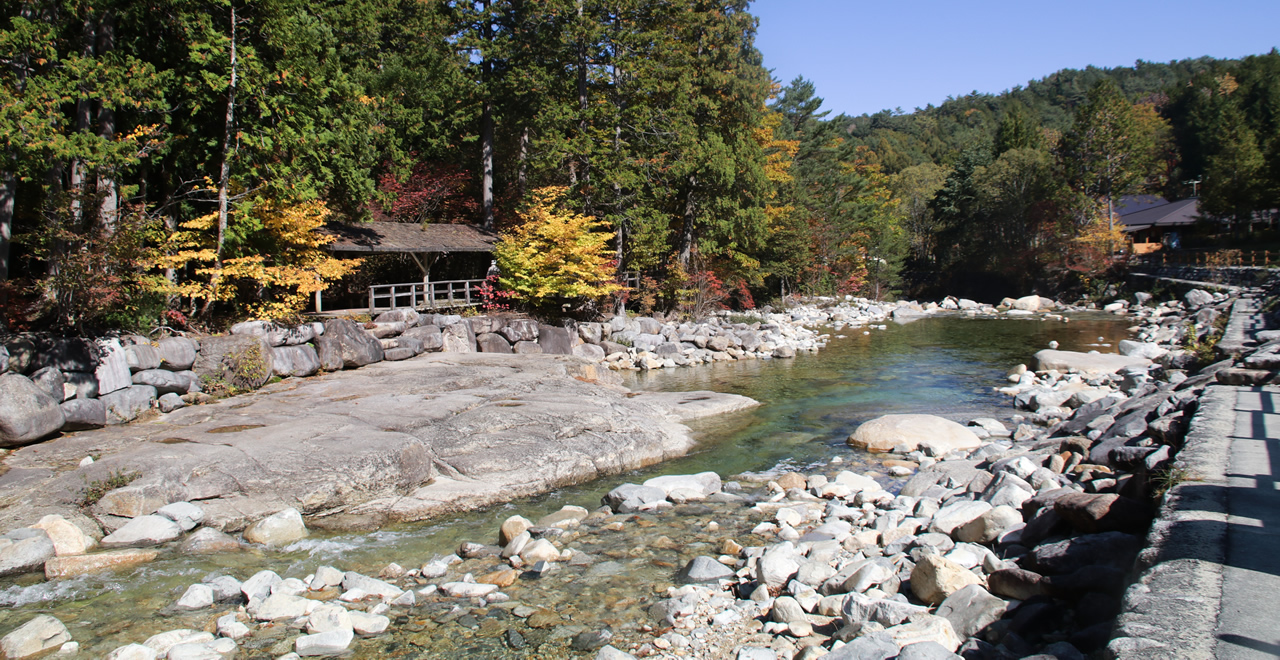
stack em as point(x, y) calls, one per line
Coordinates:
point(282, 264)
point(555, 253)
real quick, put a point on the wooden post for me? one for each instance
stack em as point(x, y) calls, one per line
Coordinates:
point(370, 300)
point(319, 306)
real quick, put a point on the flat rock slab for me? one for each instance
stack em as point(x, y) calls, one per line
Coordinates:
point(393, 441)
point(1092, 363)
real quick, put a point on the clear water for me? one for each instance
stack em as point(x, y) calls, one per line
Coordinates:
point(945, 366)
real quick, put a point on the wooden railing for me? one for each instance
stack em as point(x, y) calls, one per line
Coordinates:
point(1211, 258)
point(425, 295)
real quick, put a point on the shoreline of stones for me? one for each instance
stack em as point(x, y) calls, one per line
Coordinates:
point(54, 384)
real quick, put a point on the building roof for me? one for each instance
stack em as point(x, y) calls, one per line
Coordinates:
point(1130, 204)
point(1171, 214)
point(383, 237)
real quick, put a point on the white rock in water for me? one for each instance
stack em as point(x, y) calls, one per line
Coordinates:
point(935, 435)
point(355, 581)
point(66, 537)
point(467, 589)
point(197, 597)
point(132, 652)
point(161, 643)
point(281, 606)
point(143, 531)
point(369, 624)
point(277, 529)
point(259, 586)
point(38, 635)
point(186, 514)
point(326, 617)
point(230, 627)
point(326, 643)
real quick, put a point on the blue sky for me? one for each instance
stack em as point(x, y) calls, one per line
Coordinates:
point(866, 57)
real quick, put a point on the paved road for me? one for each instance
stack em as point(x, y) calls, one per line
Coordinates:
point(1249, 621)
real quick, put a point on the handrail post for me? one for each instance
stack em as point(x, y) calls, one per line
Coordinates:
point(371, 300)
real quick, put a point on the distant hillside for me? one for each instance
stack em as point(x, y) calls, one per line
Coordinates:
point(940, 133)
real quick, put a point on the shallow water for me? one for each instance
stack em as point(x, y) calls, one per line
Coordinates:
point(946, 366)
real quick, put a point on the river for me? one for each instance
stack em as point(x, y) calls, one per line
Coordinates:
point(946, 366)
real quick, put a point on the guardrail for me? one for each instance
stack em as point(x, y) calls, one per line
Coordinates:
point(1211, 258)
point(425, 295)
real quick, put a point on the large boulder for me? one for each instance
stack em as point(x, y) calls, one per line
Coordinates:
point(176, 353)
point(278, 529)
point(345, 344)
point(555, 341)
point(429, 335)
point(520, 330)
point(66, 537)
point(300, 360)
point(163, 380)
point(971, 609)
point(458, 338)
point(52, 381)
point(930, 433)
point(41, 634)
point(112, 370)
point(1102, 512)
point(24, 550)
point(242, 361)
point(143, 531)
point(935, 578)
point(66, 354)
point(76, 565)
point(142, 356)
point(1088, 363)
point(125, 405)
point(1030, 303)
point(27, 413)
point(491, 342)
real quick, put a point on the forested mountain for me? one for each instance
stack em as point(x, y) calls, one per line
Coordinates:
point(175, 161)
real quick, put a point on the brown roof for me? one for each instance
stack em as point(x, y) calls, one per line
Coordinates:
point(409, 237)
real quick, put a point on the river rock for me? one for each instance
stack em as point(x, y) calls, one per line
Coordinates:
point(467, 589)
point(1115, 549)
point(352, 580)
point(196, 597)
point(1016, 583)
point(327, 617)
point(369, 624)
point(24, 550)
point(971, 609)
point(704, 569)
point(132, 652)
point(704, 482)
point(511, 528)
point(540, 550)
point(957, 514)
point(935, 435)
point(186, 514)
point(927, 650)
point(934, 578)
point(132, 501)
point(1088, 363)
point(164, 642)
point(170, 402)
point(589, 352)
point(925, 628)
point(280, 606)
point(326, 643)
point(278, 529)
point(629, 498)
point(345, 344)
point(40, 634)
point(125, 405)
point(27, 412)
point(76, 565)
point(144, 531)
point(297, 361)
point(776, 566)
point(67, 539)
point(1093, 513)
point(260, 585)
point(988, 526)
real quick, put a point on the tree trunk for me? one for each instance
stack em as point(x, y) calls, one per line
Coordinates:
point(224, 172)
point(78, 167)
point(687, 232)
point(228, 133)
point(584, 158)
point(8, 192)
point(522, 168)
point(486, 123)
point(107, 192)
